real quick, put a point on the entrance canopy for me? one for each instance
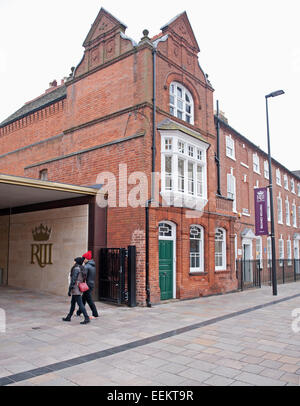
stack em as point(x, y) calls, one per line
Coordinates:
point(17, 191)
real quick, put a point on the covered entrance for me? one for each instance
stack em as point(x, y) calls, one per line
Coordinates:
point(247, 244)
point(43, 227)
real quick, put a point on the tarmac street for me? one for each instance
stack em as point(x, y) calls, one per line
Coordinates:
point(240, 339)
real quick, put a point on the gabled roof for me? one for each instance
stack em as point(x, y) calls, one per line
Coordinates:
point(104, 22)
point(41, 102)
point(182, 27)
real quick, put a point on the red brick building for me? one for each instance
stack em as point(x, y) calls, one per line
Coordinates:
point(136, 109)
point(245, 167)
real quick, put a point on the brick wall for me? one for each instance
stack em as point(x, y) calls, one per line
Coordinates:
point(246, 180)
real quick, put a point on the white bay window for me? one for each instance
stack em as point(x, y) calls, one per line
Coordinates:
point(184, 170)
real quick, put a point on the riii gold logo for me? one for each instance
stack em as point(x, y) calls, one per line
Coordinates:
point(42, 252)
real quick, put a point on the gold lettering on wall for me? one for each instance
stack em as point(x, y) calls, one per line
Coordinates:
point(41, 253)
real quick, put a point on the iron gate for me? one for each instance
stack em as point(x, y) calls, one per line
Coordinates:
point(117, 275)
point(256, 273)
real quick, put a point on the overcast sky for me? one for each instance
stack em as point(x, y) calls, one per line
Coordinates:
point(248, 49)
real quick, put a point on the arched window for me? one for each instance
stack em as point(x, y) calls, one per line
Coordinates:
point(181, 103)
point(220, 250)
point(165, 230)
point(196, 249)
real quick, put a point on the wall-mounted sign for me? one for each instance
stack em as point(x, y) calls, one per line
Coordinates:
point(261, 211)
point(41, 252)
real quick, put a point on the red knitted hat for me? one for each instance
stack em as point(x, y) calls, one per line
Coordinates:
point(88, 255)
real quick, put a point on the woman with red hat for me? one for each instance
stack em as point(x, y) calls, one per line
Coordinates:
point(90, 272)
point(77, 276)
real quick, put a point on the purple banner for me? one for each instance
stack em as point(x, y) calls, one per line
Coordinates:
point(261, 211)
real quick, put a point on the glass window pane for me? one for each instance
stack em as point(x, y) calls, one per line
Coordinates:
point(168, 164)
point(179, 92)
point(179, 114)
point(194, 245)
point(181, 147)
point(165, 230)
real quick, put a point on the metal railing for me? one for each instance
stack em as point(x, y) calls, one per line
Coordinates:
point(257, 273)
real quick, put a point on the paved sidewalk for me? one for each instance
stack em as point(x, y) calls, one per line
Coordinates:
point(256, 347)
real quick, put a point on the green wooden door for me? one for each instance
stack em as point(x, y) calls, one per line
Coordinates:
point(166, 269)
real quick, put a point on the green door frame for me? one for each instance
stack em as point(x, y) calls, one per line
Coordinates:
point(173, 239)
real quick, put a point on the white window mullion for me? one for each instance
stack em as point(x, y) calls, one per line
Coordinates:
point(175, 172)
point(186, 177)
point(195, 179)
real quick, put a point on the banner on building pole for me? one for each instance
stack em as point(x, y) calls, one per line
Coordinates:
point(261, 211)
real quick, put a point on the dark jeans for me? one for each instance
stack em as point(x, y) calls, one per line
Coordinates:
point(78, 299)
point(87, 298)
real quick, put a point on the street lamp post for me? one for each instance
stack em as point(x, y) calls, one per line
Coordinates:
point(274, 276)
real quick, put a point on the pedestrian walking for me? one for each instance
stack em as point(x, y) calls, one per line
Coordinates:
point(90, 272)
point(77, 275)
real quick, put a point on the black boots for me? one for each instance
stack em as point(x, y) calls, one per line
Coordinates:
point(68, 318)
point(86, 321)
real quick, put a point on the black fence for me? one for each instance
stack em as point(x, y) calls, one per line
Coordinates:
point(257, 273)
point(117, 275)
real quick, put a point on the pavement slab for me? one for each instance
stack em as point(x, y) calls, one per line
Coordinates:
point(243, 338)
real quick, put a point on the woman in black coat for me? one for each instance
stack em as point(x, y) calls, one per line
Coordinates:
point(77, 276)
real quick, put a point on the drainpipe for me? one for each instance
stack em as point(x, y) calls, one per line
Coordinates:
point(148, 297)
point(152, 199)
point(8, 246)
point(217, 156)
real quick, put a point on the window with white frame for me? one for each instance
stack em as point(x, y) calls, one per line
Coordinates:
point(287, 213)
point(230, 147)
point(294, 215)
point(220, 249)
point(256, 166)
point(266, 169)
point(289, 251)
point(293, 190)
point(231, 189)
point(168, 170)
point(259, 251)
point(278, 177)
point(279, 210)
point(183, 163)
point(168, 144)
point(286, 182)
point(281, 251)
point(269, 251)
point(165, 230)
point(181, 103)
point(196, 249)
